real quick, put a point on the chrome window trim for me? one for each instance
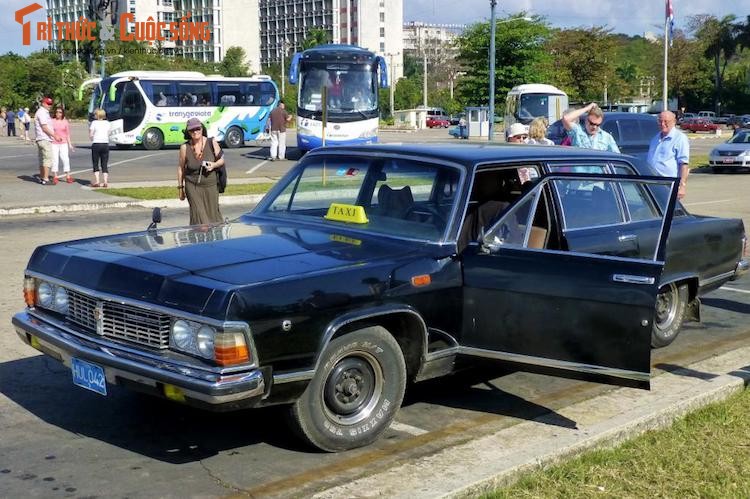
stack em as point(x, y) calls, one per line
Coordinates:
point(555, 364)
point(582, 255)
point(291, 377)
point(176, 314)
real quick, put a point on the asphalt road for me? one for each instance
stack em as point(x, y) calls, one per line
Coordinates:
point(60, 440)
point(19, 161)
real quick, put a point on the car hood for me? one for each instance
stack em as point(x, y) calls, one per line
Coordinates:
point(732, 147)
point(191, 266)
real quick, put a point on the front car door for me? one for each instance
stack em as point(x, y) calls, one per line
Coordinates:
point(542, 307)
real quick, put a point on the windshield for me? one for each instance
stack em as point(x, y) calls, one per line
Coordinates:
point(740, 138)
point(532, 106)
point(95, 102)
point(391, 196)
point(350, 87)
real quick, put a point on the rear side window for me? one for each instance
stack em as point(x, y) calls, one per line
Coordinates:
point(587, 203)
point(638, 202)
point(630, 131)
point(611, 127)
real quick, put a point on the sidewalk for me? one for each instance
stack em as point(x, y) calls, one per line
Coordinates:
point(28, 197)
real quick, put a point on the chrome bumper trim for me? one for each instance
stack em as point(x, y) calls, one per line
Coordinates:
point(208, 387)
point(742, 267)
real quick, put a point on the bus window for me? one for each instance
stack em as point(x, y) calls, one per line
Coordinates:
point(533, 106)
point(194, 94)
point(112, 107)
point(267, 94)
point(133, 107)
point(160, 93)
point(229, 94)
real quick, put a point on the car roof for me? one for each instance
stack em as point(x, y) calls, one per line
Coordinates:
point(470, 155)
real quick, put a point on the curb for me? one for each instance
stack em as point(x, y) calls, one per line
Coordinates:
point(501, 458)
point(248, 199)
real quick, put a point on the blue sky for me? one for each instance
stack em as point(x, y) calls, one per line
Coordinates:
point(624, 16)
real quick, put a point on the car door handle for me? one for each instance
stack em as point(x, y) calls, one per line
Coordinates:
point(627, 237)
point(633, 279)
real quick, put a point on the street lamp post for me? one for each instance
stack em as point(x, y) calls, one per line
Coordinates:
point(493, 4)
point(284, 48)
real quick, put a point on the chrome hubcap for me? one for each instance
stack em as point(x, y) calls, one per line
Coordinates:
point(353, 388)
point(666, 308)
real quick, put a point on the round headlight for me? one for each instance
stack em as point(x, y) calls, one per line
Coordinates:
point(61, 300)
point(206, 341)
point(182, 335)
point(45, 294)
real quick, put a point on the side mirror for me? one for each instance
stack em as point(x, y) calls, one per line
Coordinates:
point(155, 219)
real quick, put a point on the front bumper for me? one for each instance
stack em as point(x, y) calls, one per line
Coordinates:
point(735, 162)
point(122, 366)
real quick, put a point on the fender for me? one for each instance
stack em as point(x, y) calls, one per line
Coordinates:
point(348, 318)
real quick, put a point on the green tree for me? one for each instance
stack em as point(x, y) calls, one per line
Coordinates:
point(520, 57)
point(234, 63)
point(721, 39)
point(316, 36)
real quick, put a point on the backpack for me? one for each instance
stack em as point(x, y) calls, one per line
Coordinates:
point(221, 174)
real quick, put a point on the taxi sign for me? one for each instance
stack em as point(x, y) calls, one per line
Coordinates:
point(351, 213)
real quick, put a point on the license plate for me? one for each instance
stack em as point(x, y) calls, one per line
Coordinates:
point(89, 376)
point(728, 161)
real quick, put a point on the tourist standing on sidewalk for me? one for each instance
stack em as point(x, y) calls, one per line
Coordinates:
point(44, 137)
point(3, 123)
point(26, 122)
point(199, 159)
point(10, 117)
point(60, 148)
point(99, 135)
point(278, 119)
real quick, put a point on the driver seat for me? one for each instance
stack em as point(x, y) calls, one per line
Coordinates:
point(394, 203)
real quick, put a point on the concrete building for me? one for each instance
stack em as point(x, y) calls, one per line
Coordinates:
point(433, 38)
point(371, 24)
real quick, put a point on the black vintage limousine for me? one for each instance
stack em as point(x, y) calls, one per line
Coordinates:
point(370, 267)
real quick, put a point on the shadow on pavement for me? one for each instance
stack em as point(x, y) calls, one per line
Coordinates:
point(149, 426)
point(685, 371)
point(733, 306)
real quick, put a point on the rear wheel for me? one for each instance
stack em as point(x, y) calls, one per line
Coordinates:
point(355, 392)
point(671, 305)
point(153, 139)
point(234, 138)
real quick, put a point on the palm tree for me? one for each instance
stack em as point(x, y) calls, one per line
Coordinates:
point(315, 37)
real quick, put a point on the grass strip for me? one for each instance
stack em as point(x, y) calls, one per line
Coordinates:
point(169, 192)
point(704, 454)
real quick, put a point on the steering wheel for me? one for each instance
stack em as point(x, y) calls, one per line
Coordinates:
point(432, 210)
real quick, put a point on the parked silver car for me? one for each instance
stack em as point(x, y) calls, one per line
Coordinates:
point(733, 155)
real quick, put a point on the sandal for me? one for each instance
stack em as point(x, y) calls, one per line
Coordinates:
point(55, 180)
point(69, 179)
point(105, 185)
point(43, 181)
point(94, 185)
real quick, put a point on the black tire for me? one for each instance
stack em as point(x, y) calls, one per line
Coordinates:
point(355, 392)
point(153, 139)
point(671, 305)
point(234, 138)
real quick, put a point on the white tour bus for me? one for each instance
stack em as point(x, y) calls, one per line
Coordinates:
point(534, 100)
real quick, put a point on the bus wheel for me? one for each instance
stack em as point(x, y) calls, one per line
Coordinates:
point(234, 138)
point(153, 139)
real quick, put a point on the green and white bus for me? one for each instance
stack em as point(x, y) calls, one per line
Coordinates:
point(150, 108)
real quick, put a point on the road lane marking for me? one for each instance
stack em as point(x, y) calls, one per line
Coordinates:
point(251, 170)
point(735, 290)
point(76, 172)
point(710, 202)
point(407, 428)
point(20, 156)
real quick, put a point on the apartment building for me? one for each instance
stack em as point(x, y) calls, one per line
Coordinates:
point(371, 24)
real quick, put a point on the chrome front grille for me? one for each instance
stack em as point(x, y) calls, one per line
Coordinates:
point(118, 321)
point(729, 153)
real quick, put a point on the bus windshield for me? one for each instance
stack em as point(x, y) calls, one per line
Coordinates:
point(532, 106)
point(350, 87)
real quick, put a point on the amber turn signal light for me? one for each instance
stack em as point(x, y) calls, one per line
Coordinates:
point(230, 349)
point(421, 280)
point(29, 291)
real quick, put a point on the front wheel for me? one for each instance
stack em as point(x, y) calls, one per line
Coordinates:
point(671, 305)
point(234, 138)
point(355, 392)
point(153, 139)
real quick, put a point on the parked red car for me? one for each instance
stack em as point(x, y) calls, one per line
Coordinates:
point(699, 125)
point(435, 122)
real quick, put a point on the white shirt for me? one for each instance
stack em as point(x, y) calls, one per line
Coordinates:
point(99, 131)
point(41, 118)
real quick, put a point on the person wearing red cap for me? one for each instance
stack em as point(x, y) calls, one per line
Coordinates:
point(44, 137)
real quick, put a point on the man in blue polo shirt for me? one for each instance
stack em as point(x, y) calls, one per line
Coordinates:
point(593, 137)
point(669, 151)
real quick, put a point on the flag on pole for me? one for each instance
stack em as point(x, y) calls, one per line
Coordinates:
point(670, 21)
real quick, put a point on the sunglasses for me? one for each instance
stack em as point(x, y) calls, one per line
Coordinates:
point(594, 125)
point(195, 130)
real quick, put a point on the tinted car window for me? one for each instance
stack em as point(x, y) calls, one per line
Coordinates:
point(611, 127)
point(630, 130)
point(638, 202)
point(588, 203)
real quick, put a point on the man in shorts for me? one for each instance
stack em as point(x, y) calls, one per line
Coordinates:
point(44, 136)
